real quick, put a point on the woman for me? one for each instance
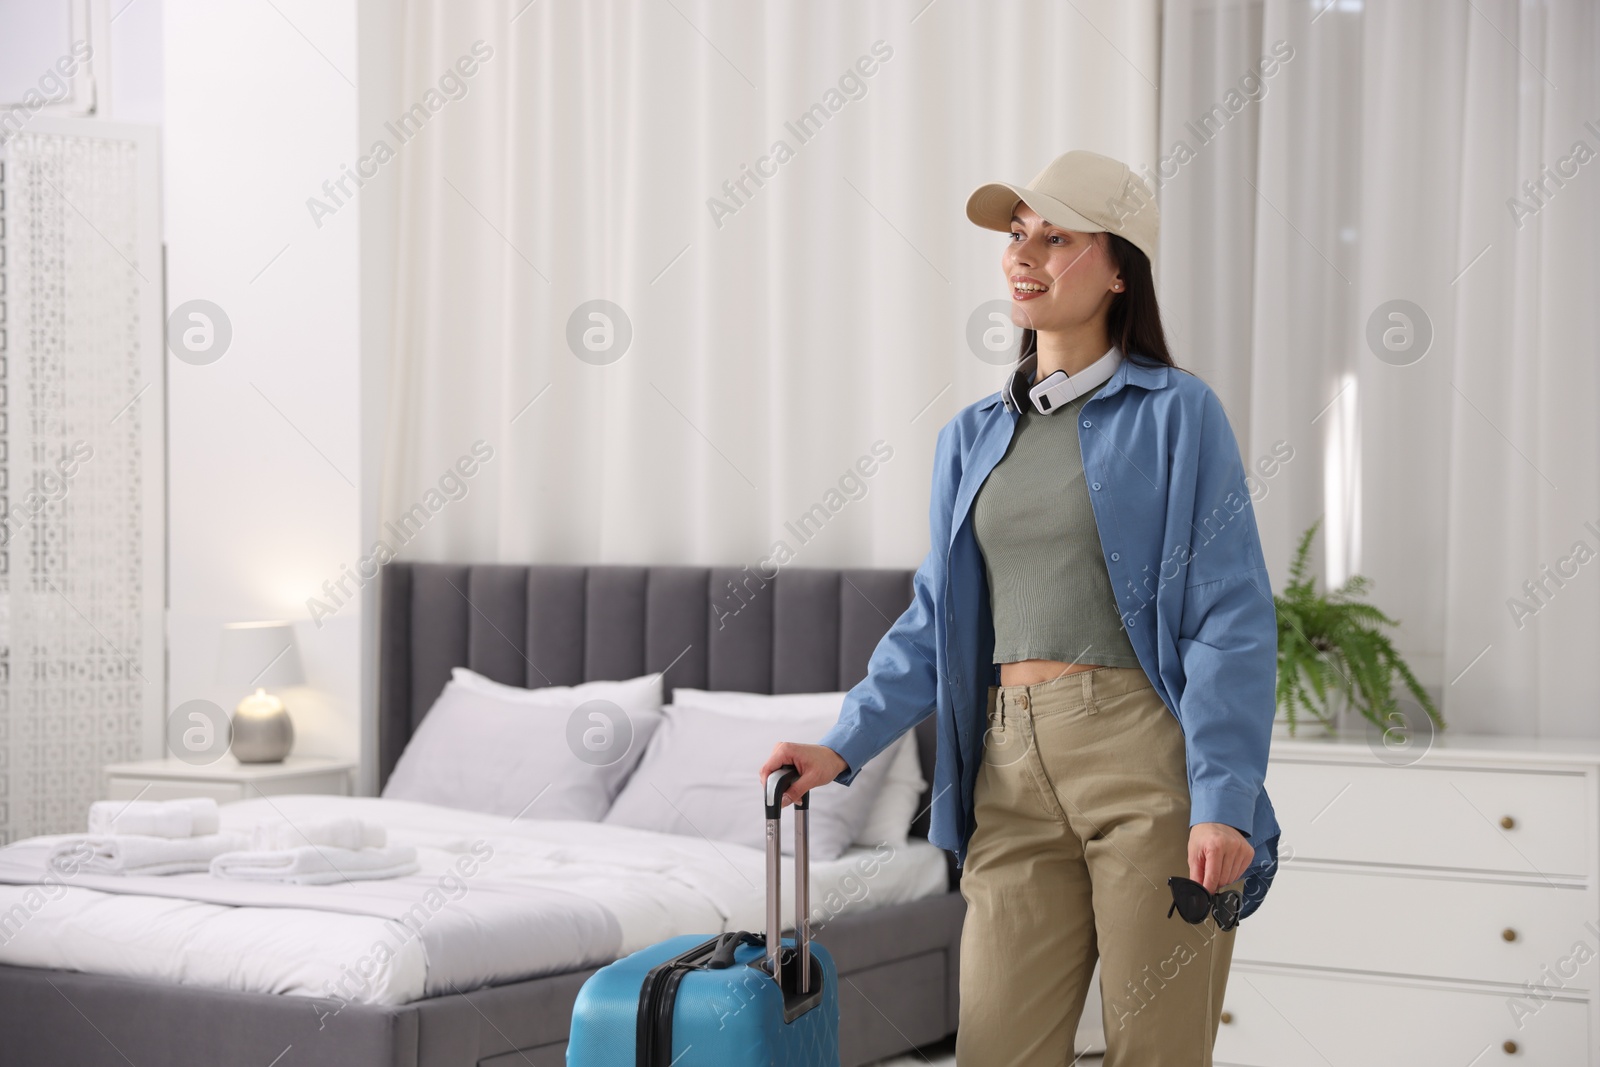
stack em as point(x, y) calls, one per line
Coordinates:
point(1095, 560)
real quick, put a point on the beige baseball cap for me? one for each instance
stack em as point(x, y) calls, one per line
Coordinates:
point(1079, 190)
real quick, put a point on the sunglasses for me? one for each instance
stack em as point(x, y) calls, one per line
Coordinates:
point(1191, 900)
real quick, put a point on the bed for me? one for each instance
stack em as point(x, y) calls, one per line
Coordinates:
point(448, 996)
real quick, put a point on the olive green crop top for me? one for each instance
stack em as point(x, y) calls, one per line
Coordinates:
point(1049, 589)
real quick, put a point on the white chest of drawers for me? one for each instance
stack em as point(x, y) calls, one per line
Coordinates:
point(1440, 911)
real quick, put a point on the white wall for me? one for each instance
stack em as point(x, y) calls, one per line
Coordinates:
point(265, 444)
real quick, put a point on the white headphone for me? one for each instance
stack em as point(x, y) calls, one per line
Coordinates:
point(1060, 387)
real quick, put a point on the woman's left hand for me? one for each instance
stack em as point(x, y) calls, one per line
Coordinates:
point(1218, 854)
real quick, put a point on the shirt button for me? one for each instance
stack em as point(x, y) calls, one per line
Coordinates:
point(1115, 556)
point(1086, 422)
point(1097, 485)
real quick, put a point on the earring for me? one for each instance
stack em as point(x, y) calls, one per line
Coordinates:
point(1117, 287)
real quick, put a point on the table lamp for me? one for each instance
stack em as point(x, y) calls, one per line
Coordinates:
point(263, 656)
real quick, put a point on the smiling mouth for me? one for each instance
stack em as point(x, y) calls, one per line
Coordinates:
point(1027, 290)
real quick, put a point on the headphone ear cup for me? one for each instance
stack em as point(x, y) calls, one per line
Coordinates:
point(1009, 390)
point(1036, 394)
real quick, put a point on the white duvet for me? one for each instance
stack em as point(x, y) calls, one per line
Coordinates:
point(495, 900)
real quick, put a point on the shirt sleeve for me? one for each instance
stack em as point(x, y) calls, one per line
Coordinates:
point(901, 686)
point(1227, 637)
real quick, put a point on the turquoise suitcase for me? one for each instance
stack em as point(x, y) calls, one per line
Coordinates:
point(712, 1001)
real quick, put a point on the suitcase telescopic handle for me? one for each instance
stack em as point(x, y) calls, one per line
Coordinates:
point(779, 780)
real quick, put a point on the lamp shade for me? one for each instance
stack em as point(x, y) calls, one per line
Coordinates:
point(259, 655)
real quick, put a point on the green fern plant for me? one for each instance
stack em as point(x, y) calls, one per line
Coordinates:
point(1331, 643)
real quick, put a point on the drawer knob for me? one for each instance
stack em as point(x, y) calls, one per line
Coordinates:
point(1510, 1047)
point(1509, 934)
point(1507, 822)
point(1226, 1017)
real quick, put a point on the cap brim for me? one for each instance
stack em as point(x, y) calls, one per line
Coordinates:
point(991, 206)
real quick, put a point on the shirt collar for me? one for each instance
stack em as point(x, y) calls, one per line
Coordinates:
point(1128, 372)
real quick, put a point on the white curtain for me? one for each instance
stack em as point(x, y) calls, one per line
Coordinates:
point(791, 360)
point(792, 357)
point(1388, 159)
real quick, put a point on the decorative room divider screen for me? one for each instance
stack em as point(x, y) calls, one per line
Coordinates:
point(82, 464)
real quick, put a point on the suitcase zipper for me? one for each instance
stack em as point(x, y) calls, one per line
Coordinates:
point(659, 997)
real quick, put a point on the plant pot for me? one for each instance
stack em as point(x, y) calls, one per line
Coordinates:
point(1308, 725)
point(1305, 726)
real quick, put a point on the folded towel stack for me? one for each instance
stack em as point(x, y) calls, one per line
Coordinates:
point(339, 833)
point(134, 837)
point(317, 864)
point(183, 836)
point(189, 817)
point(137, 854)
point(317, 852)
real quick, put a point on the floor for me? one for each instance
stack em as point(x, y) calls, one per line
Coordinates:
point(941, 1055)
point(944, 1055)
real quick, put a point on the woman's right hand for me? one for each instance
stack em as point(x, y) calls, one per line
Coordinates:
point(818, 765)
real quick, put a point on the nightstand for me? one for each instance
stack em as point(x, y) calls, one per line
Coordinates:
point(226, 779)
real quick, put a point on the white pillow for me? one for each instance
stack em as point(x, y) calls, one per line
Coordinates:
point(700, 777)
point(542, 753)
point(761, 705)
point(646, 689)
point(898, 800)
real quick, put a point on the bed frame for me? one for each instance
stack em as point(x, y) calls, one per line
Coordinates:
point(805, 630)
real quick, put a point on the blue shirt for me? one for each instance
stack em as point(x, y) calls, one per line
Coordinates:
point(1178, 532)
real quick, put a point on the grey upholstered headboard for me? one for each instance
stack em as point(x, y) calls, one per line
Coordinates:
point(806, 630)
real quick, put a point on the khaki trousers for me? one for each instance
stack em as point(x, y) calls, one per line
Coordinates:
point(1082, 812)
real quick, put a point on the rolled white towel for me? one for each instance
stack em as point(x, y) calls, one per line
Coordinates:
point(317, 864)
point(342, 832)
point(131, 854)
point(189, 817)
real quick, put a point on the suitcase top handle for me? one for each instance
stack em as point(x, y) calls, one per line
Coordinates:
point(778, 780)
